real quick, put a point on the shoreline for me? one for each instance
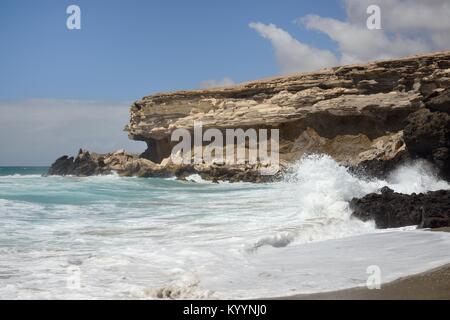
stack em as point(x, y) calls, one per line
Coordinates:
point(433, 284)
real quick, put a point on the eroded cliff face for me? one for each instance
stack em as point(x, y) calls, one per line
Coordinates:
point(353, 113)
point(369, 117)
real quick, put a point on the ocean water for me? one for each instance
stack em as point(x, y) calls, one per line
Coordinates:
point(133, 238)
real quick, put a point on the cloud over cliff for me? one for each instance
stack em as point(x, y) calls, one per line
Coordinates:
point(291, 54)
point(408, 27)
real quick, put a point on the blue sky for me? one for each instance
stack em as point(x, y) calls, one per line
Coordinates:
point(61, 90)
point(128, 49)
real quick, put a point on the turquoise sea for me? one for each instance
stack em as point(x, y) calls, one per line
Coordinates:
point(147, 238)
point(10, 171)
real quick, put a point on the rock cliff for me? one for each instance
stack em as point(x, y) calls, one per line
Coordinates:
point(367, 116)
point(353, 113)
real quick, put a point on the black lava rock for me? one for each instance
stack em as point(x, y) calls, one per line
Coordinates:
point(392, 210)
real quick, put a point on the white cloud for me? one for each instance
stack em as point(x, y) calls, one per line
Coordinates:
point(225, 82)
point(408, 27)
point(36, 132)
point(291, 54)
point(359, 44)
point(404, 15)
point(426, 21)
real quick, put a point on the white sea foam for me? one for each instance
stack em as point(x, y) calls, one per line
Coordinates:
point(321, 189)
point(416, 177)
point(196, 178)
point(20, 176)
point(152, 238)
point(186, 287)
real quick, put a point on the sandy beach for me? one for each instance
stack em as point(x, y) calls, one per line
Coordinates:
point(429, 285)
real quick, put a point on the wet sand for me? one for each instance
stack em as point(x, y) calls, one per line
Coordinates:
point(429, 285)
point(433, 284)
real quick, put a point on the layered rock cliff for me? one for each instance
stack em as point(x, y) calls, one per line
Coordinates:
point(353, 113)
point(358, 114)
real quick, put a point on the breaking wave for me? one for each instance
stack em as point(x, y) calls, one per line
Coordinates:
point(321, 189)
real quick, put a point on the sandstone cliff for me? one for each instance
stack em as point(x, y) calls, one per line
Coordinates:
point(357, 114)
point(354, 113)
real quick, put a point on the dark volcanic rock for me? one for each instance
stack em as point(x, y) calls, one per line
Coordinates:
point(426, 131)
point(85, 164)
point(439, 101)
point(427, 135)
point(392, 210)
point(61, 166)
point(380, 168)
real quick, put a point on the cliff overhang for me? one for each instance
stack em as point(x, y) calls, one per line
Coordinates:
point(370, 117)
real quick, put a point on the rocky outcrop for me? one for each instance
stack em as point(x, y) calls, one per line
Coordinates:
point(89, 163)
point(439, 101)
point(426, 135)
point(83, 165)
point(124, 164)
point(427, 132)
point(391, 210)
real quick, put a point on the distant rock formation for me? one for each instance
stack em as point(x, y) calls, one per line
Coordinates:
point(89, 163)
point(392, 210)
point(124, 164)
point(370, 117)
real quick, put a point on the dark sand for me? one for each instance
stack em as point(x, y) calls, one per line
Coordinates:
point(443, 229)
point(434, 284)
